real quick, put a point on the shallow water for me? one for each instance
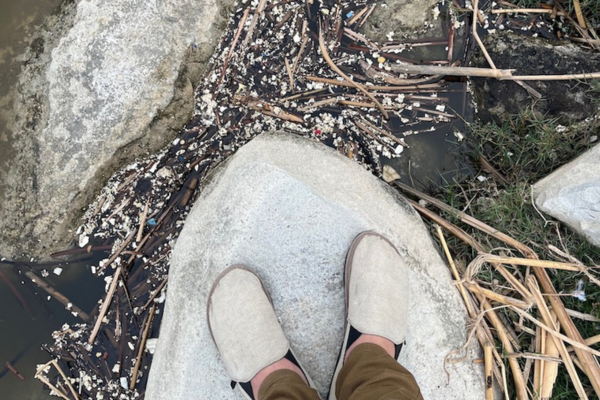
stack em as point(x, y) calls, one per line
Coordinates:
point(23, 331)
point(18, 20)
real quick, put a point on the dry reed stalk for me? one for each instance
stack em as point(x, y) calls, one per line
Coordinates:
point(38, 375)
point(484, 336)
point(489, 382)
point(156, 293)
point(559, 345)
point(233, 43)
point(534, 356)
point(590, 364)
point(290, 73)
point(340, 73)
point(564, 77)
point(105, 304)
point(538, 367)
point(259, 10)
point(491, 295)
point(452, 71)
point(304, 40)
point(142, 222)
point(325, 102)
point(550, 367)
point(57, 295)
point(476, 35)
point(534, 263)
point(526, 11)
point(520, 385)
point(385, 133)
point(501, 74)
point(138, 360)
point(358, 15)
point(360, 38)
point(60, 371)
point(335, 82)
point(580, 19)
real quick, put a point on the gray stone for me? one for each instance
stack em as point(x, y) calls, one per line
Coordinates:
point(569, 101)
point(289, 208)
point(403, 18)
point(571, 194)
point(116, 82)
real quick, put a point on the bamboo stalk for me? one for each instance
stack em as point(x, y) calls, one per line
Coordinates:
point(138, 360)
point(340, 73)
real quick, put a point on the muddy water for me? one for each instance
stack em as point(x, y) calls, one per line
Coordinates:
point(18, 20)
point(24, 329)
point(24, 326)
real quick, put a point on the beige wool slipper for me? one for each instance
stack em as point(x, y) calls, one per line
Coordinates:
point(376, 286)
point(244, 327)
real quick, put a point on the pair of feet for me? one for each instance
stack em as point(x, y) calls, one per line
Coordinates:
point(251, 342)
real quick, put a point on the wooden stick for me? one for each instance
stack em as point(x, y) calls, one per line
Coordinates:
point(340, 73)
point(138, 359)
point(16, 293)
point(489, 382)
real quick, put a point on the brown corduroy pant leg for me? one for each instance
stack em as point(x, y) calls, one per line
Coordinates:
point(369, 373)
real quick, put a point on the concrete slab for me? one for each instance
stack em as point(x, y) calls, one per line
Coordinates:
point(289, 208)
point(570, 194)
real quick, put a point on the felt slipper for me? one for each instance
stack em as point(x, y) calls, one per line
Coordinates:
point(376, 286)
point(244, 327)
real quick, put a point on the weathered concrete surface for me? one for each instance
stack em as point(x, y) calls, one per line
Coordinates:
point(113, 81)
point(402, 18)
point(289, 209)
point(569, 101)
point(572, 195)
